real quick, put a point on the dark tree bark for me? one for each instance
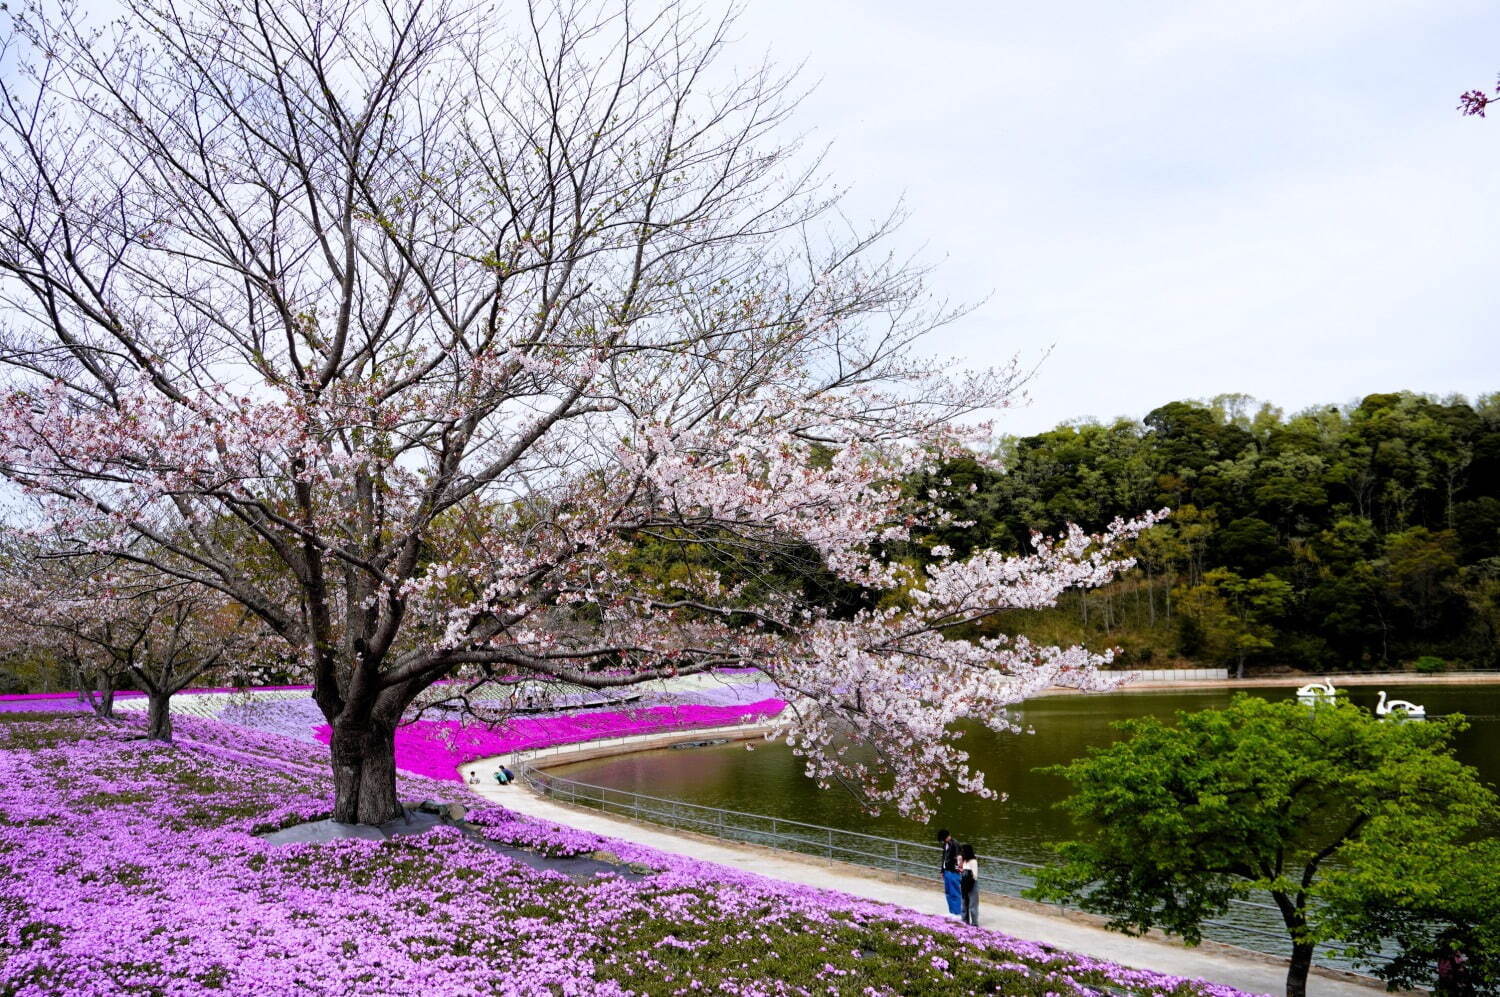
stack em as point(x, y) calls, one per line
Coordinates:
point(159, 715)
point(102, 700)
point(364, 771)
point(1297, 969)
point(1293, 915)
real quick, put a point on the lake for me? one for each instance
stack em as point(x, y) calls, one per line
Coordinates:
point(770, 780)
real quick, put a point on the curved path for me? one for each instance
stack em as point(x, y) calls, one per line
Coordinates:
point(1225, 964)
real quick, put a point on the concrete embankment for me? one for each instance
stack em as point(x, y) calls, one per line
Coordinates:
point(1292, 682)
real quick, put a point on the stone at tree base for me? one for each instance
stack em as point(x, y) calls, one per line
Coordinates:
point(419, 822)
point(323, 830)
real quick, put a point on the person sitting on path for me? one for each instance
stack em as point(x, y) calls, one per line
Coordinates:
point(968, 881)
point(950, 873)
point(503, 777)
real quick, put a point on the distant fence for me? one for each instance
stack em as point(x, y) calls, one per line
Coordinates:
point(1172, 674)
point(209, 705)
point(1296, 678)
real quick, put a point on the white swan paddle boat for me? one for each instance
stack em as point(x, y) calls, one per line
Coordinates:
point(1316, 692)
point(1399, 707)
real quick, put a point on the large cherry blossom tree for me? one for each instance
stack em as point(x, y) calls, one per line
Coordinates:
point(403, 324)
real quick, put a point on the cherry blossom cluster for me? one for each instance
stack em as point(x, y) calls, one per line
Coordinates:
point(416, 398)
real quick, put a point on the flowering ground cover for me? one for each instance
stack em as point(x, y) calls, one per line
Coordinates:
point(435, 748)
point(131, 867)
point(28, 697)
point(60, 704)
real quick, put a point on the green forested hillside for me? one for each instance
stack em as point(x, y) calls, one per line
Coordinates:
point(1361, 537)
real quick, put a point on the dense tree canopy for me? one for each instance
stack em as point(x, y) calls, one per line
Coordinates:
point(1359, 537)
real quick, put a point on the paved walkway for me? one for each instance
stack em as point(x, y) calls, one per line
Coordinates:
point(1248, 971)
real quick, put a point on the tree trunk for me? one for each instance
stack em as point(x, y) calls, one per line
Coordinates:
point(159, 716)
point(1296, 972)
point(364, 772)
point(103, 702)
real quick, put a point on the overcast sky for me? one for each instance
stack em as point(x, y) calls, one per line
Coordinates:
point(1180, 198)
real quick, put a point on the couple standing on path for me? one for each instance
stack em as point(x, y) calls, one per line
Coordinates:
point(960, 878)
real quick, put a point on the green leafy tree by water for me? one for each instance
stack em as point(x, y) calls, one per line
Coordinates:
point(1259, 796)
point(1436, 893)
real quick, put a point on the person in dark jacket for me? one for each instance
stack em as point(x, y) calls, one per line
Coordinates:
point(950, 873)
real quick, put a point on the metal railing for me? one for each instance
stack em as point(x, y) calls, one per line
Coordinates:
point(1247, 923)
point(1394, 674)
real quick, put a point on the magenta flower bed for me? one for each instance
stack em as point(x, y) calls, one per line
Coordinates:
point(47, 697)
point(51, 700)
point(130, 869)
point(435, 748)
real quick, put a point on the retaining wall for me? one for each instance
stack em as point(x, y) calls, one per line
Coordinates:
point(1175, 674)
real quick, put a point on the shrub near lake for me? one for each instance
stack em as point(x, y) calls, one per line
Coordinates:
point(132, 867)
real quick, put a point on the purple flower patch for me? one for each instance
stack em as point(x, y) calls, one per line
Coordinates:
point(435, 748)
point(132, 867)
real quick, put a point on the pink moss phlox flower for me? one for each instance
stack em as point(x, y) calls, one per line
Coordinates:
point(131, 866)
point(435, 748)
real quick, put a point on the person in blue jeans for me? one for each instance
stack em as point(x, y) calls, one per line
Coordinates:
point(950, 873)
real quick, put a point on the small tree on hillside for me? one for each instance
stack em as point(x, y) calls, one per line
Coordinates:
point(1259, 796)
point(1230, 616)
point(119, 625)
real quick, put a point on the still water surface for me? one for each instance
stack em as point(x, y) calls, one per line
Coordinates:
point(770, 781)
point(1024, 826)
